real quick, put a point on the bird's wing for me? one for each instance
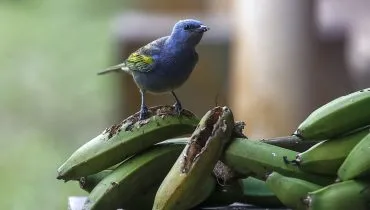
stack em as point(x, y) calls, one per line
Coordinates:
point(142, 60)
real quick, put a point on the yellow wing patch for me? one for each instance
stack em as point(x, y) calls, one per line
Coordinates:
point(139, 62)
point(136, 57)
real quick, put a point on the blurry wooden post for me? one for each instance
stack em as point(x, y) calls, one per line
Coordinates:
point(271, 56)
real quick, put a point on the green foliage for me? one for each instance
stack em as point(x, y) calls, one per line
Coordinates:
point(51, 99)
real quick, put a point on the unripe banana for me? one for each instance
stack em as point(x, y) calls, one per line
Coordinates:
point(142, 200)
point(125, 139)
point(139, 200)
point(88, 183)
point(357, 163)
point(290, 191)
point(337, 117)
point(133, 177)
point(251, 157)
point(257, 193)
point(340, 196)
point(326, 157)
point(180, 189)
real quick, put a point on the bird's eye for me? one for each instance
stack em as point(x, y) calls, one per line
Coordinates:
point(187, 27)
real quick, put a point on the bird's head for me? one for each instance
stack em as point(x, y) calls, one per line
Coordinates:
point(188, 31)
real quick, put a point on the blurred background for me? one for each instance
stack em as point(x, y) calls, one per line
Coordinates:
point(272, 62)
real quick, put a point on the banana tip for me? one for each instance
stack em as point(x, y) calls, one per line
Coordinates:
point(307, 201)
point(61, 177)
point(298, 158)
point(267, 175)
point(298, 133)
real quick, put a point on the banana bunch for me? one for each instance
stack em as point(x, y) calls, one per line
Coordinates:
point(342, 129)
point(145, 165)
point(332, 174)
point(141, 165)
point(344, 125)
point(123, 140)
point(127, 162)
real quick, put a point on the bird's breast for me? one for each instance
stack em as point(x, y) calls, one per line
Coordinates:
point(169, 73)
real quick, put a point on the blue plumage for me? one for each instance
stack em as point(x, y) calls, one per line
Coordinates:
point(166, 63)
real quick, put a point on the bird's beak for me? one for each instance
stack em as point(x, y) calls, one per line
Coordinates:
point(203, 28)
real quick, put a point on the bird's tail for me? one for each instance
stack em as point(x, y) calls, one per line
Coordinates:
point(116, 68)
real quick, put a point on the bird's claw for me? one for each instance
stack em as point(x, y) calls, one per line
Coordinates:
point(143, 113)
point(178, 108)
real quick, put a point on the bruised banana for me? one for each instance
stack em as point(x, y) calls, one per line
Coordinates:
point(125, 139)
point(337, 117)
point(252, 157)
point(290, 191)
point(357, 163)
point(180, 189)
point(135, 175)
point(257, 193)
point(326, 157)
point(345, 195)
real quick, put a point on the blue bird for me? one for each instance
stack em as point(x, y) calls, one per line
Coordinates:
point(164, 64)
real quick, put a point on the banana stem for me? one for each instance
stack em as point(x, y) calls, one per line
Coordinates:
point(290, 142)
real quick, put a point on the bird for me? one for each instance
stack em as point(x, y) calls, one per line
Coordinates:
point(164, 64)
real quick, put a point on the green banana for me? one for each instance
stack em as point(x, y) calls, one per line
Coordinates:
point(144, 200)
point(125, 139)
point(134, 176)
point(290, 191)
point(337, 117)
point(88, 183)
point(180, 189)
point(140, 200)
point(357, 163)
point(251, 157)
point(257, 193)
point(340, 196)
point(327, 156)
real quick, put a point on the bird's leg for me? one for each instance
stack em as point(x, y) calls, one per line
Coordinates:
point(143, 108)
point(178, 106)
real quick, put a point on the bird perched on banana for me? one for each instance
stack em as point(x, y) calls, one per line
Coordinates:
point(165, 64)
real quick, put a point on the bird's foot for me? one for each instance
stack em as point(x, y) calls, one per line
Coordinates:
point(143, 113)
point(178, 108)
